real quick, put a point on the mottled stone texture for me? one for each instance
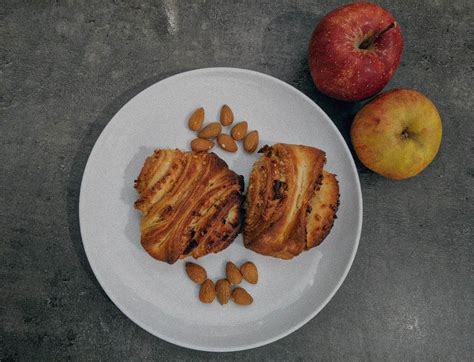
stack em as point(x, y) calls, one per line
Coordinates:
point(68, 66)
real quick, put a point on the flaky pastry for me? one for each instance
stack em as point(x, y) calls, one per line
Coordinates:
point(291, 201)
point(190, 204)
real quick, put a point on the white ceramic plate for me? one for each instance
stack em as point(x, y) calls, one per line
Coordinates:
point(159, 297)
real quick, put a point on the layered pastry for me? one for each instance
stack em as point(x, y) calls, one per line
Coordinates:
point(291, 201)
point(190, 203)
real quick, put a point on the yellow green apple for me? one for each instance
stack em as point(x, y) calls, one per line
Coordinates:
point(397, 134)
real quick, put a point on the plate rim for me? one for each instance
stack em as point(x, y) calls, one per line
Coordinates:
point(310, 316)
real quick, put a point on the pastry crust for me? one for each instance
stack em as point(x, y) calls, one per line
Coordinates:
point(291, 202)
point(190, 204)
point(324, 205)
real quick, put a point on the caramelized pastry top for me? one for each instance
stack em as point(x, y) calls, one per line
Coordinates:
point(190, 204)
point(291, 202)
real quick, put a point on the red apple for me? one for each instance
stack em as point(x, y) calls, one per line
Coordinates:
point(354, 51)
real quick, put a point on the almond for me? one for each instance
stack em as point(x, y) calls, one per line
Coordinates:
point(196, 273)
point(201, 144)
point(227, 117)
point(251, 141)
point(249, 272)
point(233, 273)
point(207, 293)
point(241, 296)
point(210, 131)
point(223, 291)
point(226, 142)
point(239, 130)
point(196, 119)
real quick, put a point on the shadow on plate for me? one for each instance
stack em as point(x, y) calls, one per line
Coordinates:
point(129, 194)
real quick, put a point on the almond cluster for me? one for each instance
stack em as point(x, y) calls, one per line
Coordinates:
point(223, 287)
point(206, 134)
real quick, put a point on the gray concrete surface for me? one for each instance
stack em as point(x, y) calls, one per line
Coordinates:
point(68, 66)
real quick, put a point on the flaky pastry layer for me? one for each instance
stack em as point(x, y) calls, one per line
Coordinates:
point(291, 201)
point(190, 204)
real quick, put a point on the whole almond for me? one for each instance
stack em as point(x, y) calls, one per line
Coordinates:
point(241, 296)
point(223, 291)
point(251, 141)
point(196, 119)
point(227, 116)
point(210, 131)
point(207, 293)
point(249, 272)
point(201, 144)
point(196, 273)
point(233, 273)
point(226, 142)
point(239, 130)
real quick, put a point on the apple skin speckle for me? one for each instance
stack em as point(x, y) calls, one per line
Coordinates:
point(398, 134)
point(340, 69)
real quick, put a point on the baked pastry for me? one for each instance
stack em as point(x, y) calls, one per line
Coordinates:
point(190, 204)
point(291, 201)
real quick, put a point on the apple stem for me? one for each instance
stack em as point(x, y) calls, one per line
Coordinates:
point(371, 39)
